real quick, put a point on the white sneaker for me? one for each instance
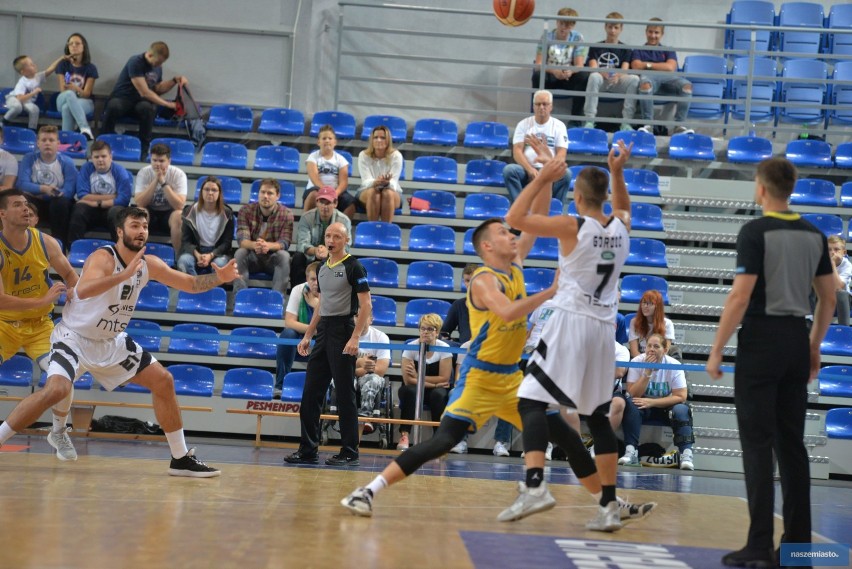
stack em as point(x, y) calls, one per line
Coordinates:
point(682, 130)
point(608, 518)
point(686, 460)
point(460, 448)
point(62, 443)
point(359, 502)
point(548, 453)
point(630, 458)
point(500, 449)
point(529, 501)
point(634, 512)
point(625, 127)
point(647, 128)
point(87, 132)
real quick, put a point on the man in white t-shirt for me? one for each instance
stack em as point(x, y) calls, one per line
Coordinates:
point(161, 189)
point(543, 126)
point(370, 369)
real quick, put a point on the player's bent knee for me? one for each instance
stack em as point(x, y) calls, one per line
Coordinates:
point(57, 388)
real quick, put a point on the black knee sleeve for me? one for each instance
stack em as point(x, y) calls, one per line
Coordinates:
point(601, 430)
point(449, 434)
point(569, 440)
point(534, 419)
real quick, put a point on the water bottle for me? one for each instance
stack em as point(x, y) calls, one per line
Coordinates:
point(67, 77)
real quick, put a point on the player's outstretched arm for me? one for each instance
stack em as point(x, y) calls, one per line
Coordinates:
point(9, 302)
point(98, 273)
point(620, 198)
point(59, 262)
point(159, 271)
point(487, 292)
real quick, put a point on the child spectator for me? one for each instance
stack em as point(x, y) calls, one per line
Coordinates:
point(161, 189)
point(103, 190)
point(328, 168)
point(207, 231)
point(380, 167)
point(76, 75)
point(23, 96)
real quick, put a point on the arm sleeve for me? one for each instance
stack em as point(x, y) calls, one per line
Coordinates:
point(69, 172)
point(560, 135)
point(358, 277)
point(364, 169)
point(383, 353)
point(396, 170)
point(633, 373)
point(143, 179)
point(223, 245)
point(294, 299)
point(123, 185)
point(25, 175)
point(83, 184)
point(303, 235)
point(670, 330)
point(286, 236)
point(749, 251)
point(824, 267)
point(243, 232)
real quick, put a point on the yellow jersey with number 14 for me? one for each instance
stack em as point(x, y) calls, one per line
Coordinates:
point(494, 341)
point(25, 274)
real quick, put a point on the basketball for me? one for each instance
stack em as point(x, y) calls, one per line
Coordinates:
point(514, 12)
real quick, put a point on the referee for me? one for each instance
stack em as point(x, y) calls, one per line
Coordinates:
point(342, 284)
point(779, 258)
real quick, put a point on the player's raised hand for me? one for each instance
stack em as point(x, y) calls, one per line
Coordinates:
point(552, 171)
point(618, 156)
point(539, 146)
point(227, 273)
point(135, 264)
point(55, 292)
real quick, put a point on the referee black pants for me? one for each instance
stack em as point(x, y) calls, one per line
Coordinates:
point(328, 361)
point(770, 392)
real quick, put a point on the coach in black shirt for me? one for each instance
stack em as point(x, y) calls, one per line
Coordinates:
point(779, 258)
point(343, 288)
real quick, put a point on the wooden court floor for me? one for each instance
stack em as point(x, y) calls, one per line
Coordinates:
point(117, 512)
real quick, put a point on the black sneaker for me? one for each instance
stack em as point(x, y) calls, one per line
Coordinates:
point(192, 467)
point(343, 460)
point(300, 458)
point(749, 558)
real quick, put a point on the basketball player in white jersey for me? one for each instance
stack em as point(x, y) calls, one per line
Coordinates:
point(91, 336)
point(573, 363)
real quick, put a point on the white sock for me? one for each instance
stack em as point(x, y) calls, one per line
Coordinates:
point(59, 423)
point(597, 496)
point(378, 483)
point(6, 432)
point(629, 449)
point(177, 443)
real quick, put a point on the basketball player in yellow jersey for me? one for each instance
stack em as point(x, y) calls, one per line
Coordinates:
point(27, 295)
point(490, 376)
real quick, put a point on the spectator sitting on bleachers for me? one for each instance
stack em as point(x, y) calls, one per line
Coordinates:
point(264, 233)
point(50, 179)
point(380, 167)
point(550, 130)
point(28, 87)
point(660, 60)
point(328, 168)
point(103, 189)
point(650, 319)
point(458, 316)
point(611, 81)
point(438, 373)
point(138, 90)
point(207, 231)
point(658, 394)
point(161, 189)
point(370, 369)
point(76, 76)
point(304, 298)
point(843, 268)
point(8, 168)
point(310, 232)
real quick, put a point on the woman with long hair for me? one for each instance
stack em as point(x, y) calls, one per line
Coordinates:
point(650, 319)
point(76, 76)
point(380, 167)
point(207, 232)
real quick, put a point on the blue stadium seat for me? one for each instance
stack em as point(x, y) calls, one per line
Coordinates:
point(126, 388)
point(749, 149)
point(839, 17)
point(812, 93)
point(647, 253)
point(232, 189)
point(812, 191)
point(381, 272)
point(293, 386)
point(644, 143)
point(342, 123)
point(439, 132)
point(846, 194)
point(545, 248)
point(420, 306)
point(800, 14)
point(838, 423)
point(642, 182)
point(763, 89)
point(264, 350)
point(575, 171)
point(484, 173)
point(224, 155)
point(432, 239)
point(287, 197)
point(396, 125)
point(212, 302)
point(247, 383)
point(84, 382)
point(538, 279)
point(78, 144)
point(234, 118)
point(486, 135)
point(17, 371)
point(816, 153)
point(485, 206)
point(259, 303)
point(276, 159)
point(691, 147)
point(572, 208)
point(587, 141)
point(384, 311)
point(827, 223)
point(841, 92)
point(154, 297)
point(348, 156)
point(429, 275)
point(183, 151)
point(140, 331)
point(378, 235)
point(750, 12)
point(441, 204)
point(124, 146)
point(82, 248)
point(838, 341)
point(707, 87)
point(192, 346)
point(192, 380)
point(288, 122)
point(435, 169)
point(835, 381)
point(467, 247)
point(161, 250)
point(3, 93)
point(646, 216)
point(634, 286)
point(556, 207)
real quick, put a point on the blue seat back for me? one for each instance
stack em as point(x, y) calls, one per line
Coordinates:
point(82, 248)
point(644, 143)
point(234, 118)
point(642, 182)
point(840, 17)
point(484, 173)
point(378, 235)
point(634, 286)
point(183, 151)
point(277, 159)
point(763, 89)
point(78, 144)
point(259, 303)
point(163, 251)
point(750, 12)
point(232, 189)
point(646, 216)
point(846, 194)
point(587, 141)
point(429, 275)
point(416, 308)
point(838, 423)
point(707, 87)
point(195, 346)
point(691, 147)
point(17, 371)
point(838, 341)
point(342, 123)
point(486, 135)
point(293, 386)
point(396, 125)
point(247, 383)
point(441, 203)
point(816, 153)
point(749, 149)
point(432, 238)
point(485, 206)
point(289, 122)
point(381, 272)
point(827, 223)
point(224, 155)
point(813, 191)
point(467, 245)
point(192, 380)
point(140, 331)
point(384, 311)
point(647, 253)
point(124, 146)
point(212, 302)
point(813, 92)
point(545, 248)
point(802, 14)
point(841, 92)
point(440, 132)
point(263, 349)
point(835, 381)
point(435, 169)
point(537, 279)
point(154, 297)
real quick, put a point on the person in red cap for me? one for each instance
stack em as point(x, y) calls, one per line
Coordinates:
point(310, 233)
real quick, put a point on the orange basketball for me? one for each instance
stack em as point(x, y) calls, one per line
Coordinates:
point(514, 12)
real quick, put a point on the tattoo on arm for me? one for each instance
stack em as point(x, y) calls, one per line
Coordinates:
point(203, 283)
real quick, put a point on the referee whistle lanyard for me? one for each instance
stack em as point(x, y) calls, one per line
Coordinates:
point(331, 265)
point(421, 385)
